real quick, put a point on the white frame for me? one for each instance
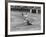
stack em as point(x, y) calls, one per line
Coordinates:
point(24, 32)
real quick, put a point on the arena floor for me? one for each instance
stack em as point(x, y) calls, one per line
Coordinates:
point(18, 24)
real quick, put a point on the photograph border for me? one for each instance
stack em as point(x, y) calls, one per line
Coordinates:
point(6, 17)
